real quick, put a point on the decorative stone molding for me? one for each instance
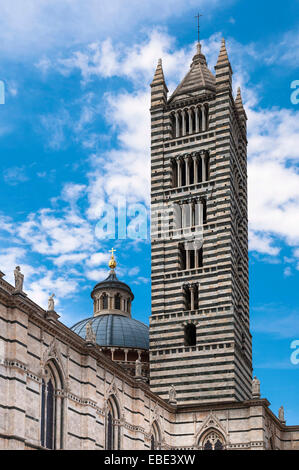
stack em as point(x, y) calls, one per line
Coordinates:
point(210, 423)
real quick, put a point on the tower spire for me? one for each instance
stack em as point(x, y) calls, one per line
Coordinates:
point(158, 86)
point(223, 68)
point(223, 56)
point(239, 102)
point(240, 108)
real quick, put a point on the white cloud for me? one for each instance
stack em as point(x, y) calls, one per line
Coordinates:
point(12, 257)
point(50, 234)
point(133, 271)
point(97, 259)
point(96, 274)
point(285, 50)
point(73, 258)
point(44, 25)
point(41, 288)
point(287, 271)
point(261, 243)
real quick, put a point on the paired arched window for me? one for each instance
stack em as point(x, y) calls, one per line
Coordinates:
point(52, 408)
point(112, 426)
point(213, 441)
point(155, 437)
point(190, 259)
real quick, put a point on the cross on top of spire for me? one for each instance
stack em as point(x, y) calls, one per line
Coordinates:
point(198, 28)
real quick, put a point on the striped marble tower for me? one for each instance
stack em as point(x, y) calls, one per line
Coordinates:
point(199, 327)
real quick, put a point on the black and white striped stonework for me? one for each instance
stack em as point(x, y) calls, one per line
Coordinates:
point(217, 365)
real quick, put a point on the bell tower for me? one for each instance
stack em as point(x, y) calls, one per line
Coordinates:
point(199, 327)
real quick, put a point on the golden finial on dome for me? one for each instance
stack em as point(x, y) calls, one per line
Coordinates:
point(112, 262)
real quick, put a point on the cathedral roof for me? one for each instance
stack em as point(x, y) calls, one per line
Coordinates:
point(116, 330)
point(198, 79)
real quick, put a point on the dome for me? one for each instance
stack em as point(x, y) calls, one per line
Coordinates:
point(112, 282)
point(116, 330)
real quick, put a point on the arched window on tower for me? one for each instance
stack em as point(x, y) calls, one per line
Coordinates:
point(155, 436)
point(213, 440)
point(190, 335)
point(52, 405)
point(117, 302)
point(112, 429)
point(174, 172)
point(104, 301)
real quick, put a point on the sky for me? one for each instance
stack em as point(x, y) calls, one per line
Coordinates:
point(75, 140)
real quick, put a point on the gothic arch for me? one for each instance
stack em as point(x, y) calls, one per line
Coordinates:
point(211, 428)
point(52, 406)
point(112, 424)
point(156, 439)
point(212, 439)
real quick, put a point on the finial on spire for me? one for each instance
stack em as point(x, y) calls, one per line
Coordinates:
point(112, 262)
point(198, 29)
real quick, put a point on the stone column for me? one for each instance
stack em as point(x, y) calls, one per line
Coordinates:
point(200, 216)
point(207, 117)
point(191, 209)
point(179, 172)
point(190, 121)
point(187, 259)
point(187, 171)
point(183, 123)
point(112, 353)
point(203, 167)
point(126, 354)
point(196, 258)
point(195, 172)
point(196, 120)
point(177, 125)
point(203, 119)
point(192, 296)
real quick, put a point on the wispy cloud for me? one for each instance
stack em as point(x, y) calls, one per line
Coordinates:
point(42, 25)
point(15, 175)
point(276, 320)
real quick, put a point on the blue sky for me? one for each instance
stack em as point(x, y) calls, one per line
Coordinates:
point(74, 135)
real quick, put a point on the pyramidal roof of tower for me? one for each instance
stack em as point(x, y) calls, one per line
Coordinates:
point(198, 79)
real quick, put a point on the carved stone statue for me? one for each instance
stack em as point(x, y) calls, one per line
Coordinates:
point(19, 279)
point(281, 414)
point(172, 395)
point(256, 388)
point(138, 368)
point(90, 335)
point(51, 305)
